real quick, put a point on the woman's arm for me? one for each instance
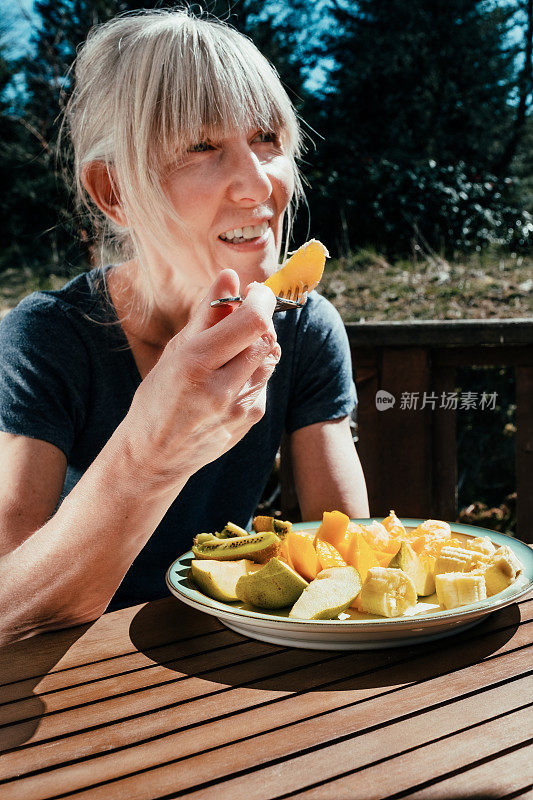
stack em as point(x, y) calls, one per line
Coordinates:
point(206, 391)
point(327, 471)
point(33, 473)
point(65, 570)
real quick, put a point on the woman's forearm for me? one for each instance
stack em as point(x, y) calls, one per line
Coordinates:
point(67, 571)
point(203, 395)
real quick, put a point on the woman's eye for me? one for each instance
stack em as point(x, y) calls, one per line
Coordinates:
point(267, 136)
point(199, 147)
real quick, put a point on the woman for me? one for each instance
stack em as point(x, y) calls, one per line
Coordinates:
point(132, 414)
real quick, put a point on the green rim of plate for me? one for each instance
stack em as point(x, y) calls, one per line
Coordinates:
point(177, 582)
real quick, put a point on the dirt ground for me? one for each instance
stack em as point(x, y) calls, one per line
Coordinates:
point(367, 287)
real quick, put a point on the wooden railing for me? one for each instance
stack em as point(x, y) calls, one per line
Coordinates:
point(409, 455)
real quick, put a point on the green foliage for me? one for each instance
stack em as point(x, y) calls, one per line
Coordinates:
point(416, 119)
point(415, 116)
point(46, 230)
point(422, 80)
point(449, 209)
point(46, 235)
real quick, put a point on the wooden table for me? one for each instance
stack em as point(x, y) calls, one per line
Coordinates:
point(161, 701)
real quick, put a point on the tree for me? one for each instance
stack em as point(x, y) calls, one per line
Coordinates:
point(413, 83)
point(64, 25)
point(20, 174)
point(524, 88)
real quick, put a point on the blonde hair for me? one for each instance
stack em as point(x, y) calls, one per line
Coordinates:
point(150, 84)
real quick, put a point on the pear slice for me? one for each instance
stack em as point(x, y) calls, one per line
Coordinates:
point(275, 585)
point(218, 579)
point(328, 595)
point(418, 567)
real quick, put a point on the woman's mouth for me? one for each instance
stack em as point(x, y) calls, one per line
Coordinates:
point(250, 234)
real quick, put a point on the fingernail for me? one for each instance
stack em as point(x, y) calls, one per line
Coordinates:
point(253, 283)
point(276, 352)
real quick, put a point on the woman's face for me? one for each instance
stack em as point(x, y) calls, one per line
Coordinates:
point(232, 195)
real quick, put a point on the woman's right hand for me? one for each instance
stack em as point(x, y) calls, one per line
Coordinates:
point(208, 387)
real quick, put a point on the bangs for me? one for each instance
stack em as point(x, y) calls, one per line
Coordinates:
point(204, 80)
point(226, 90)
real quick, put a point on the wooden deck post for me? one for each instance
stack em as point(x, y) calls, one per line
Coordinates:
point(524, 452)
point(444, 447)
point(405, 433)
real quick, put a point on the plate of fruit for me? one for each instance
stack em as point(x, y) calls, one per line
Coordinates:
point(344, 584)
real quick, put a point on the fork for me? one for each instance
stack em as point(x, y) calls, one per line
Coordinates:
point(286, 301)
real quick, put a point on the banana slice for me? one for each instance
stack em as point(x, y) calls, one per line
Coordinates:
point(503, 569)
point(481, 544)
point(459, 589)
point(387, 592)
point(457, 559)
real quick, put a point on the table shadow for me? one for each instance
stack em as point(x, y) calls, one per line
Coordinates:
point(28, 662)
point(371, 668)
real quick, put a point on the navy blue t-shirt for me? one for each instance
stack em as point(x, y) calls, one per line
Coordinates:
point(67, 376)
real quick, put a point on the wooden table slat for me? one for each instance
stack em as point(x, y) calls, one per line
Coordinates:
point(457, 752)
point(499, 773)
point(106, 639)
point(163, 655)
point(120, 687)
point(505, 618)
point(206, 733)
point(365, 714)
point(160, 701)
point(201, 775)
point(305, 671)
point(85, 675)
point(181, 689)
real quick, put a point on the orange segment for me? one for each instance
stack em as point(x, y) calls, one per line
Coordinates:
point(285, 555)
point(333, 528)
point(302, 270)
point(328, 555)
point(379, 538)
point(302, 554)
point(428, 534)
point(436, 526)
point(385, 558)
point(362, 557)
point(394, 526)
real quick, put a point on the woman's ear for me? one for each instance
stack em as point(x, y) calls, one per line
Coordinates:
point(97, 179)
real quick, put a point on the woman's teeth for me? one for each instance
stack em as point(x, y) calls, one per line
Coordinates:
point(243, 234)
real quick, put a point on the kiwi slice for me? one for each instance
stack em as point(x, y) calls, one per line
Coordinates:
point(200, 538)
point(260, 547)
point(231, 531)
point(278, 526)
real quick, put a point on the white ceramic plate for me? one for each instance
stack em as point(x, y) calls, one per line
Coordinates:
point(355, 631)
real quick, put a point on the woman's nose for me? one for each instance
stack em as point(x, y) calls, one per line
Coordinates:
point(248, 179)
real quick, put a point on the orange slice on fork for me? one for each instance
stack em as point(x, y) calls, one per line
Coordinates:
point(301, 272)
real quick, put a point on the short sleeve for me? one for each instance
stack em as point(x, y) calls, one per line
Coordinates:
point(322, 386)
point(44, 373)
